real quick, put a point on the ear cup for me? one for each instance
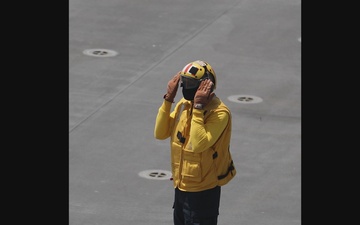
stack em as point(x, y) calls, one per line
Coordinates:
point(211, 77)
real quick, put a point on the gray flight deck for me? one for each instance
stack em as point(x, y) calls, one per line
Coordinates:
point(254, 47)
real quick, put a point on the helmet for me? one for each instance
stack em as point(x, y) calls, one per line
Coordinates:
point(193, 73)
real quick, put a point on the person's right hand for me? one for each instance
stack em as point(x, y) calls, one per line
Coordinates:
point(172, 88)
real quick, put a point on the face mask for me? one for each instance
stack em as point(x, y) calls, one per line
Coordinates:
point(189, 94)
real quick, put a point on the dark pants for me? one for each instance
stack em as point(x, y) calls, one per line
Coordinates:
point(197, 208)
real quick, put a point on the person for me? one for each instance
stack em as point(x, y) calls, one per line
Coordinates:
point(199, 128)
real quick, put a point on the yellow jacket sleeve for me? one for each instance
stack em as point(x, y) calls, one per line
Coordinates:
point(204, 135)
point(164, 121)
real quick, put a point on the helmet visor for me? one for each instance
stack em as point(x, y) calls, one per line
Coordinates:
point(189, 83)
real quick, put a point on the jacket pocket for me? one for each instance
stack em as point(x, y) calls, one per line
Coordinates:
point(191, 168)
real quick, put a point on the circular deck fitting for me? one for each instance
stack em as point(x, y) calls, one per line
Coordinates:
point(245, 99)
point(100, 52)
point(156, 174)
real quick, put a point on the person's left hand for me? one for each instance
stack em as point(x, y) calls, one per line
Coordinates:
point(203, 95)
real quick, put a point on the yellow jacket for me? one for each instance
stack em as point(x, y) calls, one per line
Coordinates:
point(200, 156)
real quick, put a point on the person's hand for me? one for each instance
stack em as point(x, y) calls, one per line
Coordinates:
point(203, 95)
point(172, 88)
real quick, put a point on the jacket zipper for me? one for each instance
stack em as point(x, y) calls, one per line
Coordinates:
point(187, 124)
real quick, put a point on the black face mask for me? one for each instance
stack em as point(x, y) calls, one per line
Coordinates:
point(189, 94)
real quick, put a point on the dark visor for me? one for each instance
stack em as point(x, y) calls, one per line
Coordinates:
point(189, 83)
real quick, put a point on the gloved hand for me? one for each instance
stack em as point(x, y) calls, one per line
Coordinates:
point(172, 88)
point(203, 95)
